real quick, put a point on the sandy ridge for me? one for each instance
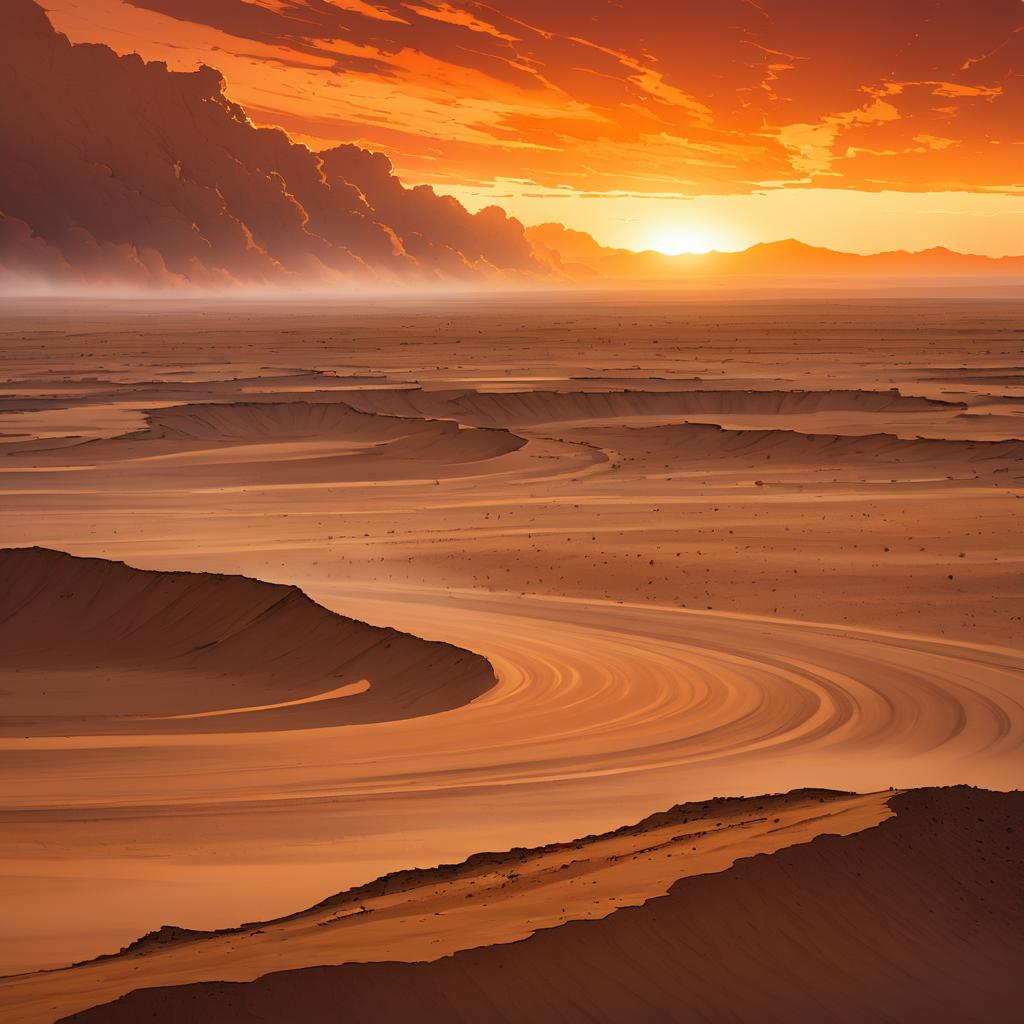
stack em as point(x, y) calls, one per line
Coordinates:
point(917, 918)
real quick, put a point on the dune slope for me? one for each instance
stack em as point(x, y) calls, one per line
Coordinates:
point(423, 914)
point(919, 918)
point(95, 646)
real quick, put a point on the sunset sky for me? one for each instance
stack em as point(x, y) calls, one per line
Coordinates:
point(677, 126)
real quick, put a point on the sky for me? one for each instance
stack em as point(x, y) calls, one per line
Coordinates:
point(681, 126)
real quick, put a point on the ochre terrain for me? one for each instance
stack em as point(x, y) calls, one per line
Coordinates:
point(654, 552)
point(916, 919)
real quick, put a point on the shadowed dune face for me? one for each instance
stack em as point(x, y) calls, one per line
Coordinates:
point(555, 407)
point(250, 423)
point(918, 918)
point(95, 647)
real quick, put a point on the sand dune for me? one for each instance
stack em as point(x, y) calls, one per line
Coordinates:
point(917, 918)
point(695, 443)
point(525, 408)
point(256, 423)
point(846, 412)
point(552, 407)
point(271, 442)
point(598, 707)
point(267, 422)
point(98, 648)
point(425, 914)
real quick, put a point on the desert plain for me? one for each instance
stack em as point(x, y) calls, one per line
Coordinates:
point(307, 607)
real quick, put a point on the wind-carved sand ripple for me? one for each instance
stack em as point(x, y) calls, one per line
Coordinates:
point(592, 689)
point(634, 688)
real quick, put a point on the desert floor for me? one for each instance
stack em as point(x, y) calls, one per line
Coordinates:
point(708, 549)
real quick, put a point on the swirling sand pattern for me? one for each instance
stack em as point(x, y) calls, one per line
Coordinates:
point(805, 595)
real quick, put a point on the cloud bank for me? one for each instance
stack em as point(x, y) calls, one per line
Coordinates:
point(122, 172)
point(644, 96)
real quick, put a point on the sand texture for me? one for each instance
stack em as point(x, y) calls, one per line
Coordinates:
point(295, 598)
point(905, 921)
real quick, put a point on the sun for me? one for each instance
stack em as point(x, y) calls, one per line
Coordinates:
point(672, 241)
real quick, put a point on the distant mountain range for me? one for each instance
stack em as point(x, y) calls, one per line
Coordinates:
point(577, 255)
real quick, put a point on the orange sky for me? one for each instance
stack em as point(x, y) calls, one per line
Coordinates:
point(863, 126)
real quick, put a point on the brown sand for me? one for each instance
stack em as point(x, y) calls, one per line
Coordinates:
point(96, 648)
point(920, 918)
point(669, 612)
point(426, 914)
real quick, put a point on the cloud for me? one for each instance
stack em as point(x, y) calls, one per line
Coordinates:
point(708, 96)
point(122, 172)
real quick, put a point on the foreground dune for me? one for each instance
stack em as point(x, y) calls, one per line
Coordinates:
point(494, 897)
point(917, 918)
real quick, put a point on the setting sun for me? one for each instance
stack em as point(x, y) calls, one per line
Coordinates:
point(673, 241)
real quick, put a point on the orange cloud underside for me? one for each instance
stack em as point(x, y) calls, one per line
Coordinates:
point(723, 97)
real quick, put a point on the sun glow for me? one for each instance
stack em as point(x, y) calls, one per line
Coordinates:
point(672, 241)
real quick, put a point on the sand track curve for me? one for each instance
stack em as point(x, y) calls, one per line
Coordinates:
point(599, 705)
